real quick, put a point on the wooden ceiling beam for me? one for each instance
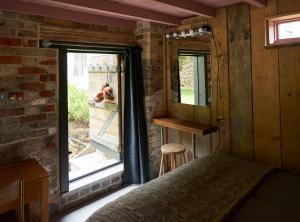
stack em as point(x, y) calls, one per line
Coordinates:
point(257, 3)
point(110, 8)
point(48, 11)
point(191, 6)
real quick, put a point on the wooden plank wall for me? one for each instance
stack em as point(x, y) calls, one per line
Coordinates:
point(206, 144)
point(240, 86)
point(267, 129)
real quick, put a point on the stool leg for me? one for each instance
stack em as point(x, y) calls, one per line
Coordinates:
point(172, 160)
point(184, 157)
point(161, 170)
point(174, 156)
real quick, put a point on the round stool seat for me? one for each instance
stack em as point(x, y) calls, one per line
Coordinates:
point(172, 148)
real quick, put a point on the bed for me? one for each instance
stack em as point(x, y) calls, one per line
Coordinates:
point(212, 188)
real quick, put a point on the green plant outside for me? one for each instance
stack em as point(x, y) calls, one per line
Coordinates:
point(187, 96)
point(78, 107)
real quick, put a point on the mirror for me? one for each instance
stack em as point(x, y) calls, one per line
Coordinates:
point(190, 66)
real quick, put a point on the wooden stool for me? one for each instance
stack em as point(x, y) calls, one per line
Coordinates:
point(171, 149)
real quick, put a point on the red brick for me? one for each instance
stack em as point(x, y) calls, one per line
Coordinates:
point(48, 108)
point(30, 43)
point(48, 62)
point(32, 86)
point(47, 93)
point(52, 77)
point(11, 112)
point(15, 95)
point(10, 41)
point(49, 77)
point(30, 70)
point(51, 53)
point(32, 118)
point(43, 78)
point(10, 59)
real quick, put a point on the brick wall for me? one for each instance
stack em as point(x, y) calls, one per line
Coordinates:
point(28, 85)
point(150, 37)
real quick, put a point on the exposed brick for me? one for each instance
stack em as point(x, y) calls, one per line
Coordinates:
point(11, 112)
point(43, 78)
point(51, 53)
point(34, 86)
point(31, 118)
point(30, 43)
point(26, 33)
point(15, 95)
point(10, 59)
point(10, 41)
point(48, 108)
point(73, 197)
point(48, 62)
point(49, 77)
point(52, 77)
point(47, 93)
point(95, 187)
point(30, 70)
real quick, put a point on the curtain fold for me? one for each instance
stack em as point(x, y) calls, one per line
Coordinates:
point(136, 163)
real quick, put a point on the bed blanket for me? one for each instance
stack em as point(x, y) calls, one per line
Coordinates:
point(207, 189)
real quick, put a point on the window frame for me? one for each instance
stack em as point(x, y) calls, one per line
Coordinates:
point(277, 40)
point(63, 49)
point(272, 29)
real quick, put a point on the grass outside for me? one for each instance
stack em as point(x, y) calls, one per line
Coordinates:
point(187, 96)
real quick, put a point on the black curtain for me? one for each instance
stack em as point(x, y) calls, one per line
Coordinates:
point(136, 164)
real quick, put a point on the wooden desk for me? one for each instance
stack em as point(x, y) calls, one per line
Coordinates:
point(194, 128)
point(36, 186)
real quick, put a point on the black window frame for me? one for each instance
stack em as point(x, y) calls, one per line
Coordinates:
point(63, 49)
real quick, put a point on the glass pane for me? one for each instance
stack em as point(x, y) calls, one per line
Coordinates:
point(93, 113)
point(289, 30)
point(186, 76)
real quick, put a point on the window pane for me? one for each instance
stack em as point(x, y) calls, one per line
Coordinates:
point(187, 71)
point(93, 113)
point(289, 30)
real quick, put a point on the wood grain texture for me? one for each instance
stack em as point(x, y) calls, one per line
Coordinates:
point(219, 72)
point(185, 125)
point(240, 81)
point(266, 102)
point(289, 68)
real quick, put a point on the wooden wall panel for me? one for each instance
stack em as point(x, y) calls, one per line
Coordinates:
point(220, 107)
point(205, 144)
point(240, 81)
point(265, 81)
point(289, 69)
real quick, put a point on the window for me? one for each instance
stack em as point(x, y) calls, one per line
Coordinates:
point(194, 71)
point(91, 88)
point(283, 30)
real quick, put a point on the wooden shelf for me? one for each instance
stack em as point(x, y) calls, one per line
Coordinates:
point(185, 125)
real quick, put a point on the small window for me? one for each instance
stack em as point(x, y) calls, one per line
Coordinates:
point(283, 30)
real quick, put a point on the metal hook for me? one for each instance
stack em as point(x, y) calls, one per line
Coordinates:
point(231, 37)
point(246, 34)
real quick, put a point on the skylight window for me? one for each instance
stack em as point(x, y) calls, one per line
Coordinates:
point(283, 30)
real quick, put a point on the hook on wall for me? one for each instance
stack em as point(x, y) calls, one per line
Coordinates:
point(246, 34)
point(231, 36)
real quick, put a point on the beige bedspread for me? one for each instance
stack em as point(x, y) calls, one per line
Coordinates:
point(207, 189)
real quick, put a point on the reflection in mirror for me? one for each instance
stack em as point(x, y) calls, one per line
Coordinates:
point(190, 70)
point(194, 70)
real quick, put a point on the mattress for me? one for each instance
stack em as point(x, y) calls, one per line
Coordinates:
point(207, 189)
point(277, 199)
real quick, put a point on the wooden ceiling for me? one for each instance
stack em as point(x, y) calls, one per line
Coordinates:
point(122, 13)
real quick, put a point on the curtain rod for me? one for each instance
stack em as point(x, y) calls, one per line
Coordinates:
point(61, 44)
